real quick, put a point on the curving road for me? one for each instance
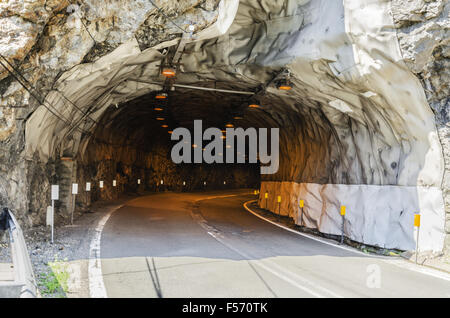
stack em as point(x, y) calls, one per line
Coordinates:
point(195, 245)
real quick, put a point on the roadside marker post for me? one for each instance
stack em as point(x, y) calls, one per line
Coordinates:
point(343, 222)
point(55, 196)
point(114, 186)
point(417, 225)
point(301, 204)
point(88, 189)
point(74, 193)
point(279, 206)
point(101, 184)
point(139, 181)
point(266, 195)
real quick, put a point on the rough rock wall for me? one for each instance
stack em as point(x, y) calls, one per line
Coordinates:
point(41, 39)
point(423, 30)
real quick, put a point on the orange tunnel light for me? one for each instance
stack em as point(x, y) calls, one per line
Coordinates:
point(168, 72)
point(161, 96)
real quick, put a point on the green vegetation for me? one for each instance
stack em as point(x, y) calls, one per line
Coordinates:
point(55, 282)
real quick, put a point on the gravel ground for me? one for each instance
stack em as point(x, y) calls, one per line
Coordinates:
point(5, 255)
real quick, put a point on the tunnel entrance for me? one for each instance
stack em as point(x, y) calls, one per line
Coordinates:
point(355, 127)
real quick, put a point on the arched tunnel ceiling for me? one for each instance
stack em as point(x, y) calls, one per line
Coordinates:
point(330, 87)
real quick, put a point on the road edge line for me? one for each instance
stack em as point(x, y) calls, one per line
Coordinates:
point(397, 261)
point(306, 235)
point(95, 276)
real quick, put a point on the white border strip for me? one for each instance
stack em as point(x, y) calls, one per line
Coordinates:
point(96, 285)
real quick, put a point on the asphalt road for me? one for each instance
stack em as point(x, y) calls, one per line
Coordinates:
point(193, 245)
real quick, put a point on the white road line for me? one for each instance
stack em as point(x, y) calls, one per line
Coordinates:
point(280, 272)
point(305, 235)
point(267, 268)
point(96, 285)
point(397, 262)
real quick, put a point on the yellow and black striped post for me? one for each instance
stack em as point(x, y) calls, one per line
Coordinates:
point(279, 206)
point(343, 222)
point(417, 225)
point(301, 204)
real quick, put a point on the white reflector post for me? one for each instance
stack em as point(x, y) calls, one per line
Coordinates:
point(55, 192)
point(88, 186)
point(139, 181)
point(49, 218)
point(74, 188)
point(101, 184)
point(114, 183)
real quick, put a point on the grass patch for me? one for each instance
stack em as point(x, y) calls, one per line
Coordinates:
point(55, 281)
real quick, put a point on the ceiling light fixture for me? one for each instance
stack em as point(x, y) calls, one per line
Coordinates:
point(229, 125)
point(161, 96)
point(238, 117)
point(253, 105)
point(158, 109)
point(164, 126)
point(284, 85)
point(168, 72)
point(159, 118)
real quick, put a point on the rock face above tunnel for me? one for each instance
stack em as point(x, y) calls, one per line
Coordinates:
point(424, 39)
point(348, 120)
